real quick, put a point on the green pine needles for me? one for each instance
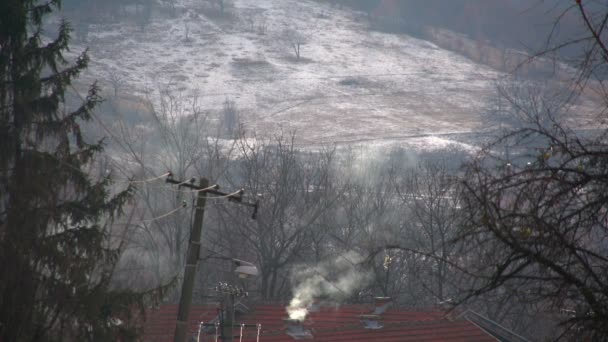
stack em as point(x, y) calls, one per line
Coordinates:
point(56, 259)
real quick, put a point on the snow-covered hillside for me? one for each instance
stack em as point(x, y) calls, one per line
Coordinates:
point(351, 84)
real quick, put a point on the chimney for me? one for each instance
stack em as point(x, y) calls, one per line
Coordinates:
point(296, 329)
point(371, 322)
point(315, 306)
point(381, 304)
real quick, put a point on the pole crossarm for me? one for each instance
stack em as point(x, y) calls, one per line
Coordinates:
point(213, 190)
point(194, 244)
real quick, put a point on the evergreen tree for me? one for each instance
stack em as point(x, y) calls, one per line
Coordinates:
point(56, 261)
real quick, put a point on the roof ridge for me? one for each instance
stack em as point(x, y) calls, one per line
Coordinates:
point(343, 324)
point(353, 326)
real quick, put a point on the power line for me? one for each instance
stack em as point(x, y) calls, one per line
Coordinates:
point(142, 181)
point(167, 214)
point(188, 191)
point(231, 195)
point(183, 206)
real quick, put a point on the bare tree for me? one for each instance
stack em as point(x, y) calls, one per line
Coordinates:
point(407, 217)
point(428, 192)
point(179, 123)
point(230, 118)
point(295, 190)
point(188, 146)
point(116, 79)
point(186, 32)
point(262, 26)
point(255, 20)
point(294, 39)
point(537, 218)
point(366, 219)
point(250, 19)
point(520, 102)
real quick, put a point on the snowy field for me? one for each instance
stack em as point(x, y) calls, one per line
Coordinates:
point(352, 85)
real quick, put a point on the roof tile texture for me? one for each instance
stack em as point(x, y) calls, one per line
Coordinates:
point(334, 324)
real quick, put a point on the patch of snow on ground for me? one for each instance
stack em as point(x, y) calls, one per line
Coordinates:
point(351, 85)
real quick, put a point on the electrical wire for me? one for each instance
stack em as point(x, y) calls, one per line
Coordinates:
point(149, 179)
point(186, 191)
point(183, 206)
point(220, 197)
point(214, 186)
point(185, 182)
point(167, 187)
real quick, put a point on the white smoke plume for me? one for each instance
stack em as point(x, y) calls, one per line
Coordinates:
point(334, 280)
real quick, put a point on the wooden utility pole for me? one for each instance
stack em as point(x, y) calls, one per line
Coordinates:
point(194, 246)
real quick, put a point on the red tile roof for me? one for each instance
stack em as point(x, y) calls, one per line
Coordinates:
point(328, 324)
point(160, 322)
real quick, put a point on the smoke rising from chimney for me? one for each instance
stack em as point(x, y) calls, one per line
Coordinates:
point(334, 280)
